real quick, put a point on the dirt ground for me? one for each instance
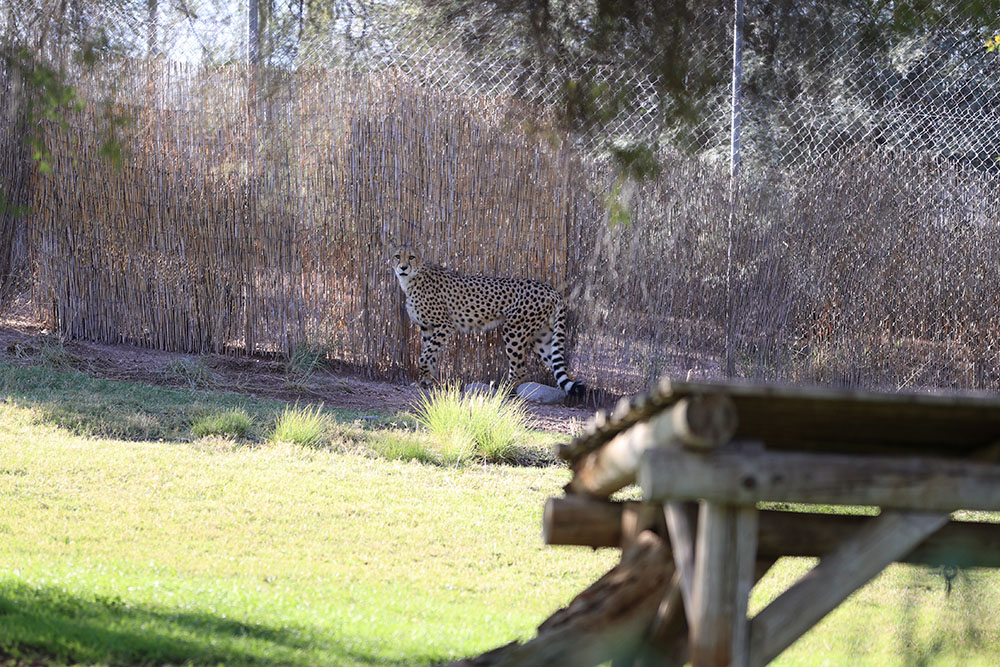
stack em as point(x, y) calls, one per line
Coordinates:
point(23, 338)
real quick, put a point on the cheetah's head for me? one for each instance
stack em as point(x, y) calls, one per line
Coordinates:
point(405, 262)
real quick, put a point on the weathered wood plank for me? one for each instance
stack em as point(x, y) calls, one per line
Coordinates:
point(681, 521)
point(747, 574)
point(917, 483)
point(832, 420)
point(581, 521)
point(881, 541)
point(725, 556)
point(609, 618)
point(700, 421)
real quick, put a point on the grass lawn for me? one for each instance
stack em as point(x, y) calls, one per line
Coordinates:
point(124, 539)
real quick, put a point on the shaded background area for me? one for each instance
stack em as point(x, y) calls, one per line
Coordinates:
point(187, 199)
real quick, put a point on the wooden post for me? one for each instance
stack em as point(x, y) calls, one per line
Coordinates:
point(679, 518)
point(725, 557)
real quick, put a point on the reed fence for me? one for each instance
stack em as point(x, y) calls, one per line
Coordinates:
point(252, 212)
point(254, 223)
point(15, 251)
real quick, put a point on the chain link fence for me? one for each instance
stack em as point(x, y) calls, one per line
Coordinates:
point(858, 247)
point(814, 81)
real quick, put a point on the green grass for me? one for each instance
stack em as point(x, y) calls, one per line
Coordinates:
point(307, 426)
point(902, 617)
point(485, 426)
point(128, 410)
point(143, 552)
point(135, 551)
point(402, 446)
point(231, 423)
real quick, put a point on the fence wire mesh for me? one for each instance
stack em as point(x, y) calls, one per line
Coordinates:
point(252, 204)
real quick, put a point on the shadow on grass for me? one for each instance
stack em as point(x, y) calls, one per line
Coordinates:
point(50, 625)
point(125, 410)
point(102, 408)
point(115, 408)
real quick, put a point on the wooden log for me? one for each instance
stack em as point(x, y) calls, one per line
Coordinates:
point(681, 520)
point(850, 421)
point(699, 421)
point(606, 620)
point(917, 483)
point(579, 520)
point(881, 541)
point(576, 520)
point(725, 556)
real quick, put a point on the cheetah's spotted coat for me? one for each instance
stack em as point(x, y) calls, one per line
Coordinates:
point(440, 301)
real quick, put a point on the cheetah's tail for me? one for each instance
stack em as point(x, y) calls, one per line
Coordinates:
point(574, 388)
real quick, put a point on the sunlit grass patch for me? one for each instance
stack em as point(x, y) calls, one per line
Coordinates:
point(482, 425)
point(307, 426)
point(401, 446)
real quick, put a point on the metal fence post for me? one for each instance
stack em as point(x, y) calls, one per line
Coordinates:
point(253, 34)
point(734, 172)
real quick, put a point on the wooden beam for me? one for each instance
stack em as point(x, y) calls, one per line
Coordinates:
point(586, 521)
point(698, 421)
point(725, 557)
point(830, 420)
point(576, 520)
point(609, 618)
point(881, 541)
point(731, 477)
point(681, 519)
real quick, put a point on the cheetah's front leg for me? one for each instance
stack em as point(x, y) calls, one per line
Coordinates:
point(431, 342)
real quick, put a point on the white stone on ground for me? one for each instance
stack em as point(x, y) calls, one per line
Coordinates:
point(479, 388)
point(541, 393)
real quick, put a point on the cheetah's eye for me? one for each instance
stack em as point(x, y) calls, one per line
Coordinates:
point(397, 256)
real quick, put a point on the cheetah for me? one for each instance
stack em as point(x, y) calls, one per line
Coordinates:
point(441, 302)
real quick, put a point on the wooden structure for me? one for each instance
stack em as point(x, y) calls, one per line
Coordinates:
point(705, 457)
